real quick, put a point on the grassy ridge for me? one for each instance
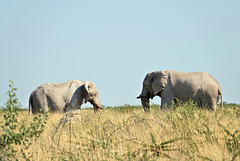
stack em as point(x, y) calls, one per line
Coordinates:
point(127, 133)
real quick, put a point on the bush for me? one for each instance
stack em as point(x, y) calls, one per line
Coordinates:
point(14, 133)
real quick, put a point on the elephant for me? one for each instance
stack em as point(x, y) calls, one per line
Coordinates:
point(64, 96)
point(200, 87)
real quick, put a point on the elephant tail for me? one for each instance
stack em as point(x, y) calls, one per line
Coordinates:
point(29, 104)
point(220, 93)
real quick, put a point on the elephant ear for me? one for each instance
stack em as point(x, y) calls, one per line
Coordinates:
point(159, 81)
point(87, 86)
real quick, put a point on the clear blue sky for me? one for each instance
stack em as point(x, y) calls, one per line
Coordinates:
point(115, 43)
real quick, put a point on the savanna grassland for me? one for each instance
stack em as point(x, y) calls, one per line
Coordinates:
point(127, 133)
point(120, 133)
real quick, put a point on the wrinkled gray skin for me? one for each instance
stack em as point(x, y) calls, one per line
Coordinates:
point(64, 96)
point(200, 87)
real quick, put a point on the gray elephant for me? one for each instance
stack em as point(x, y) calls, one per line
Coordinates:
point(170, 85)
point(64, 96)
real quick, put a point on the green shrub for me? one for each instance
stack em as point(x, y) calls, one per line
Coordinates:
point(14, 133)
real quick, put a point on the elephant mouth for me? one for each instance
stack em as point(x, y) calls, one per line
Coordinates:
point(95, 105)
point(141, 97)
point(159, 94)
point(98, 107)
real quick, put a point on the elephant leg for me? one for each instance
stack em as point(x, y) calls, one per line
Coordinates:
point(44, 104)
point(167, 99)
point(208, 103)
point(213, 104)
point(36, 106)
point(39, 103)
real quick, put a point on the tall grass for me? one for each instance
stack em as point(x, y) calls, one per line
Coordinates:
point(122, 133)
point(127, 133)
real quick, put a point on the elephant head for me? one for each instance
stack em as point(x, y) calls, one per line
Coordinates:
point(153, 84)
point(86, 93)
point(91, 95)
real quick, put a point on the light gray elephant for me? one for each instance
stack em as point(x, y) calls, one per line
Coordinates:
point(64, 96)
point(170, 85)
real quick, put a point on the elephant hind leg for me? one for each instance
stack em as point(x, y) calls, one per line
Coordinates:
point(37, 105)
point(212, 100)
point(203, 103)
point(213, 105)
point(44, 104)
point(206, 101)
point(201, 99)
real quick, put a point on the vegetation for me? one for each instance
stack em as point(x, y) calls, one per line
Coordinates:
point(127, 133)
point(16, 136)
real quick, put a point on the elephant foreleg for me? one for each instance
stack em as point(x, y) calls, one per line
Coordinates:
point(167, 99)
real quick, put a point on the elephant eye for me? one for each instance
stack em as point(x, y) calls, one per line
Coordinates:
point(93, 95)
point(148, 87)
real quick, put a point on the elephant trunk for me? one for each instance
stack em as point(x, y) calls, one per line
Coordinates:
point(145, 104)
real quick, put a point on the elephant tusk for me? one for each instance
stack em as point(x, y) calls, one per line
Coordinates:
point(99, 106)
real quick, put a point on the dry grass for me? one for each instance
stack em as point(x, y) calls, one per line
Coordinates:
point(127, 133)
